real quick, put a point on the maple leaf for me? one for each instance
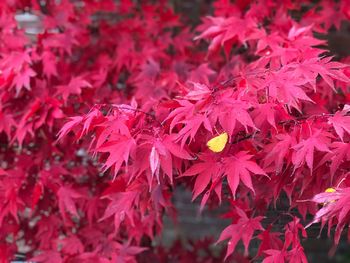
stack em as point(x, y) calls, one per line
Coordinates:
point(224, 31)
point(265, 113)
point(175, 149)
point(304, 150)
point(126, 251)
point(17, 64)
point(232, 111)
point(269, 240)
point(161, 156)
point(292, 233)
point(14, 61)
point(68, 126)
point(236, 168)
point(72, 245)
point(341, 122)
point(239, 167)
point(191, 127)
point(297, 255)
point(119, 148)
point(66, 196)
point(242, 230)
point(120, 206)
point(275, 256)
point(48, 228)
point(22, 79)
point(207, 170)
point(329, 70)
point(125, 54)
point(324, 17)
point(277, 152)
point(287, 89)
point(73, 87)
point(200, 79)
point(340, 152)
point(198, 92)
point(184, 109)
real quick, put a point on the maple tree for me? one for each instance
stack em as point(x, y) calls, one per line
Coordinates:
point(108, 106)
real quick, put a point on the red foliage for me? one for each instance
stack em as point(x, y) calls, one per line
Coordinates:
point(107, 106)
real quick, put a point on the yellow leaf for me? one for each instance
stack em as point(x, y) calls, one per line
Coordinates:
point(218, 143)
point(330, 190)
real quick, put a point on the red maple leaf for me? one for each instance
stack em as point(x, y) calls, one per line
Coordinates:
point(66, 196)
point(239, 168)
point(275, 256)
point(207, 170)
point(304, 150)
point(340, 153)
point(120, 207)
point(73, 87)
point(269, 240)
point(242, 230)
point(278, 151)
point(119, 148)
point(341, 122)
point(22, 79)
point(225, 31)
point(72, 245)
